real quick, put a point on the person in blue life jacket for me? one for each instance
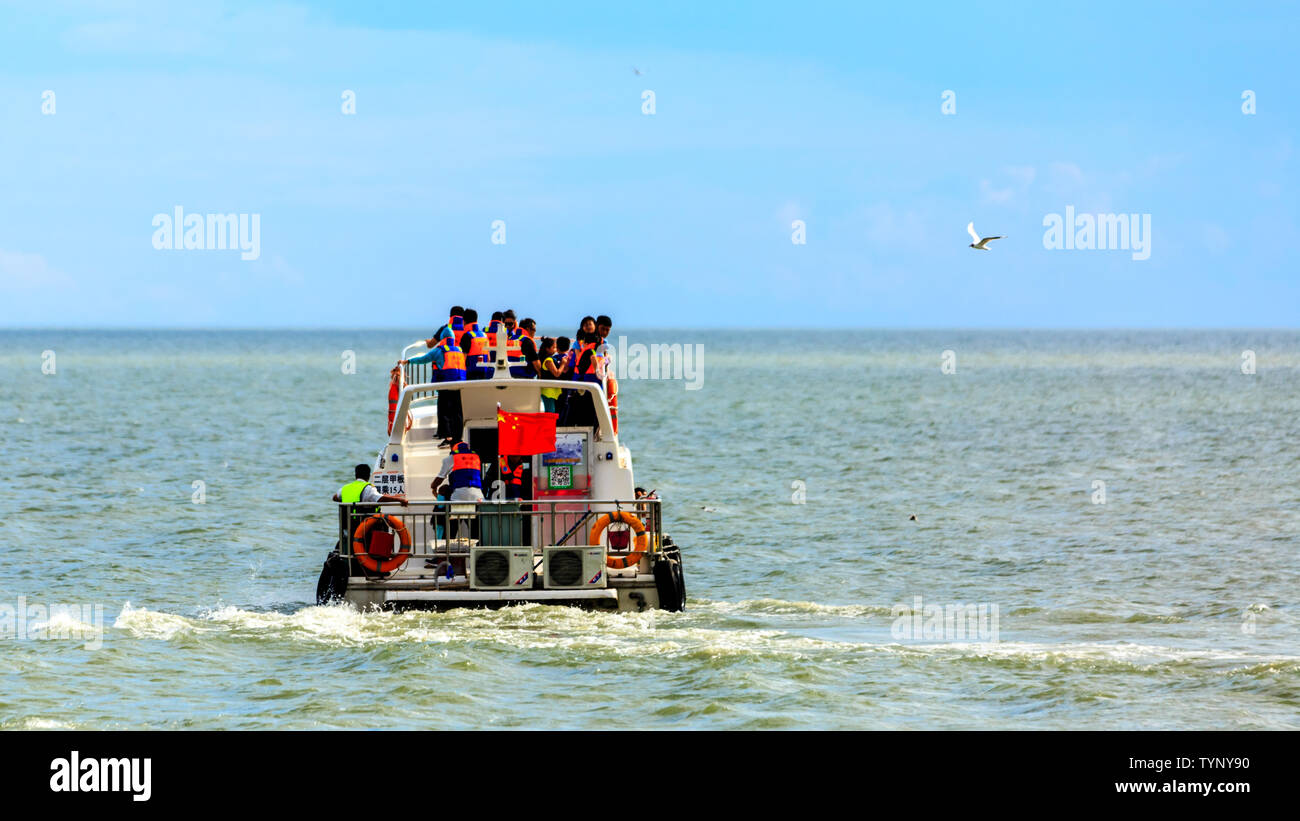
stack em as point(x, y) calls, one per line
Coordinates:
point(455, 323)
point(496, 326)
point(478, 359)
point(449, 363)
point(554, 369)
point(462, 470)
point(582, 364)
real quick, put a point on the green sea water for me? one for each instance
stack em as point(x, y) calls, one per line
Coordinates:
point(1165, 597)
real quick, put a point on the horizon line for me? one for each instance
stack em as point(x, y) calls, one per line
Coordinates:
point(783, 328)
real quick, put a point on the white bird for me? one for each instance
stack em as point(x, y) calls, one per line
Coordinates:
point(980, 243)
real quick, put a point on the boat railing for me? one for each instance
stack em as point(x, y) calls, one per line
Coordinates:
point(444, 529)
point(416, 373)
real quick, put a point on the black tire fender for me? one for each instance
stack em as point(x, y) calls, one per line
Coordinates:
point(670, 582)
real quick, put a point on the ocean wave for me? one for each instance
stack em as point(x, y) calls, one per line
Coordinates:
point(565, 634)
point(781, 607)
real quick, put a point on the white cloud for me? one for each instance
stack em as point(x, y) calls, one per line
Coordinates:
point(1021, 178)
point(28, 272)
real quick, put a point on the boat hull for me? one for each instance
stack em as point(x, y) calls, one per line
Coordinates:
point(639, 595)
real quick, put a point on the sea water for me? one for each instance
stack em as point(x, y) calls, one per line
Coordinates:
point(1118, 513)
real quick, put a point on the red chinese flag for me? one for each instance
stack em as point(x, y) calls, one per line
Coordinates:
point(524, 434)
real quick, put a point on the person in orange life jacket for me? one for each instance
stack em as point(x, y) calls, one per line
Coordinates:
point(478, 359)
point(463, 472)
point(512, 473)
point(394, 392)
point(564, 353)
point(527, 364)
point(456, 319)
point(449, 360)
point(514, 354)
point(582, 362)
point(582, 365)
point(586, 326)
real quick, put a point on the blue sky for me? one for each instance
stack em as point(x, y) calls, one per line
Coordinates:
point(764, 113)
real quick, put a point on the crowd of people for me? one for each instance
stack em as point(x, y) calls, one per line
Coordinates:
point(461, 350)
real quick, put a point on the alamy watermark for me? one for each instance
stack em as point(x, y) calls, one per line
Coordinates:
point(179, 231)
point(26, 621)
point(125, 775)
point(656, 361)
point(1098, 232)
point(944, 622)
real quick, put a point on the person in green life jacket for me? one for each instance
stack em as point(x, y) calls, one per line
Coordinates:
point(360, 491)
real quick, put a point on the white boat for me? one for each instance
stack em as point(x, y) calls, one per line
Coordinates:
point(578, 537)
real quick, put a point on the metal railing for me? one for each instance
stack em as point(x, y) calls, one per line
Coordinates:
point(446, 531)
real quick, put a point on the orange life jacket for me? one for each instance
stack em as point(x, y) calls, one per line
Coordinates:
point(466, 470)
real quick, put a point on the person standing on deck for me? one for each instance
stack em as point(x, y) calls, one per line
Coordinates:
point(449, 360)
point(496, 326)
point(512, 473)
point(528, 364)
point(603, 326)
point(478, 359)
point(552, 355)
point(583, 365)
point(360, 491)
point(456, 319)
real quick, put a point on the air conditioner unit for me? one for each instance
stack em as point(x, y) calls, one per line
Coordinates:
point(573, 568)
point(501, 568)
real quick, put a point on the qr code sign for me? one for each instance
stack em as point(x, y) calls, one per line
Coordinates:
point(561, 476)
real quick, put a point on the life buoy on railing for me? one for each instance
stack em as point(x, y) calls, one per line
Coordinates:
point(370, 562)
point(623, 560)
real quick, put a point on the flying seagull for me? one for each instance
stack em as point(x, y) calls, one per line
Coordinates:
point(980, 243)
point(636, 71)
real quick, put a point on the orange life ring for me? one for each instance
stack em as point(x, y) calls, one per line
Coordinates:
point(623, 560)
point(377, 565)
